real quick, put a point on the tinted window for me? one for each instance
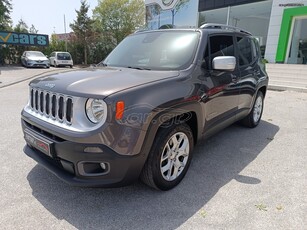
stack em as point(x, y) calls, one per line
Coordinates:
point(165, 50)
point(221, 45)
point(247, 52)
point(255, 46)
point(63, 56)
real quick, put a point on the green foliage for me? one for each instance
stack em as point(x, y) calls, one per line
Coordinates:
point(33, 30)
point(54, 45)
point(5, 24)
point(261, 207)
point(264, 61)
point(118, 18)
point(5, 18)
point(21, 27)
point(82, 28)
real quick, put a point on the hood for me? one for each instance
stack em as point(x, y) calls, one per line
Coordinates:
point(100, 82)
point(34, 58)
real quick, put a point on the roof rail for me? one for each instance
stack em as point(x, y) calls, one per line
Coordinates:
point(222, 26)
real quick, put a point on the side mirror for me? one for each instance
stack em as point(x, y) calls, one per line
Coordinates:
point(224, 63)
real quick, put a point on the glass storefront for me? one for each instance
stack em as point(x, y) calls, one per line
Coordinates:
point(297, 53)
point(253, 17)
point(183, 15)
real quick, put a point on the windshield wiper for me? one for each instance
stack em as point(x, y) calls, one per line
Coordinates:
point(139, 68)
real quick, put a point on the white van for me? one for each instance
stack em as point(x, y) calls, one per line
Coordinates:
point(61, 59)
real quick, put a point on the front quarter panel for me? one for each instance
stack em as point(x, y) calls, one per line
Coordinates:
point(147, 107)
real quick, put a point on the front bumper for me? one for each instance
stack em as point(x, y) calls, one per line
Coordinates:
point(71, 163)
point(37, 64)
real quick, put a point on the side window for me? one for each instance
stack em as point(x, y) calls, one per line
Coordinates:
point(220, 45)
point(255, 50)
point(246, 50)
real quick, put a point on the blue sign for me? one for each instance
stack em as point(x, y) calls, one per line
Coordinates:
point(23, 39)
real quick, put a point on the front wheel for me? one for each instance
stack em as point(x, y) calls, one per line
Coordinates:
point(254, 117)
point(169, 158)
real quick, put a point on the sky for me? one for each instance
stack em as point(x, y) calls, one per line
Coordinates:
point(48, 15)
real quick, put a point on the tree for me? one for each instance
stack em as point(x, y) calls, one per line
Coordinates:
point(5, 18)
point(118, 18)
point(21, 27)
point(5, 24)
point(82, 27)
point(33, 30)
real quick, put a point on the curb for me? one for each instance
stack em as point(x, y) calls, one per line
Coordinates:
point(287, 88)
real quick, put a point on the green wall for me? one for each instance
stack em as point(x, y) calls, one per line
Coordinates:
point(285, 30)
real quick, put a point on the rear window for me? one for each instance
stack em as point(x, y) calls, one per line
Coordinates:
point(63, 56)
point(165, 50)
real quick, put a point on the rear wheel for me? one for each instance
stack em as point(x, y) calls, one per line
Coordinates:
point(254, 117)
point(169, 158)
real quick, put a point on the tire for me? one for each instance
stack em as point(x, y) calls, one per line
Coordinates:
point(54, 63)
point(165, 168)
point(254, 117)
point(71, 66)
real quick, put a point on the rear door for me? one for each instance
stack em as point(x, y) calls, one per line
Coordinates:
point(221, 92)
point(248, 53)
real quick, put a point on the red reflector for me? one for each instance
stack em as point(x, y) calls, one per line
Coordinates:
point(120, 107)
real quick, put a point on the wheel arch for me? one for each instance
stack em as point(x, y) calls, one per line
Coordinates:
point(192, 117)
point(263, 89)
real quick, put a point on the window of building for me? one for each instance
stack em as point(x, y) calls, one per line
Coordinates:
point(253, 17)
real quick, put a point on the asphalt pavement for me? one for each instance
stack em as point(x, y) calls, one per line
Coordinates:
point(239, 179)
point(11, 75)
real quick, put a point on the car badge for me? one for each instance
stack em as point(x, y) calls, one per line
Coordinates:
point(50, 86)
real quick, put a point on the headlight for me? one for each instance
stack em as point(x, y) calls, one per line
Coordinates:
point(96, 110)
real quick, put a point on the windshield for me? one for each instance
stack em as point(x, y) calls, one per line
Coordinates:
point(35, 54)
point(63, 56)
point(165, 50)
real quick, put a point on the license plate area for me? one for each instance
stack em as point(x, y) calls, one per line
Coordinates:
point(38, 142)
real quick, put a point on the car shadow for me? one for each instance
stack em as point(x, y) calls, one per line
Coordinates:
point(216, 162)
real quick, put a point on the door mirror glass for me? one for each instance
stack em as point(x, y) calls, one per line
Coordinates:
point(224, 63)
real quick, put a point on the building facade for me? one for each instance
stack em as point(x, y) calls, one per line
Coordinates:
point(279, 25)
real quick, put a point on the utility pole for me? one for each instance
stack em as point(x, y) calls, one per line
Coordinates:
point(65, 33)
point(228, 16)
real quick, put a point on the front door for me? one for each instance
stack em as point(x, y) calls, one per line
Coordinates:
point(221, 92)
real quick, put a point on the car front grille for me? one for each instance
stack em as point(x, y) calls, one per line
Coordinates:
point(55, 106)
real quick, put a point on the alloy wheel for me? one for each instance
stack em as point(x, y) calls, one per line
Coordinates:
point(175, 156)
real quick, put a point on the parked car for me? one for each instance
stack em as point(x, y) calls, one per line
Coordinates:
point(140, 112)
point(61, 59)
point(34, 59)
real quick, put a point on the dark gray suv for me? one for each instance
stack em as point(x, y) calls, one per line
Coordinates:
point(140, 112)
